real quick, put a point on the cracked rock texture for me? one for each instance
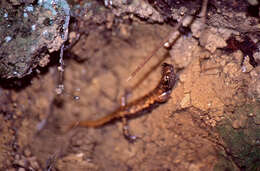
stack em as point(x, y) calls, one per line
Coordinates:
point(28, 33)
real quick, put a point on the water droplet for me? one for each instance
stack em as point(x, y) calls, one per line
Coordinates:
point(45, 33)
point(40, 2)
point(29, 8)
point(60, 69)
point(76, 97)
point(8, 38)
point(33, 27)
point(106, 2)
point(25, 15)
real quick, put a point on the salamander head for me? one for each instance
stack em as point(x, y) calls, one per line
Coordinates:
point(167, 83)
point(168, 77)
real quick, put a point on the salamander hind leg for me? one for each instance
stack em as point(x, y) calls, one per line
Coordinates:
point(130, 138)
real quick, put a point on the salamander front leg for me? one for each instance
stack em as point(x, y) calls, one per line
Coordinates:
point(124, 98)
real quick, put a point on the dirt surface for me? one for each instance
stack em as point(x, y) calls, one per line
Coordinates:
point(209, 109)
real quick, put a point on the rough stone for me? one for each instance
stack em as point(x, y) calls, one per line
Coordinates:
point(35, 30)
point(211, 40)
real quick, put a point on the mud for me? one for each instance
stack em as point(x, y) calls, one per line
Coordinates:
point(212, 113)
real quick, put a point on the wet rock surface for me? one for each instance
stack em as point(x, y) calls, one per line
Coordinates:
point(28, 33)
point(211, 121)
point(141, 9)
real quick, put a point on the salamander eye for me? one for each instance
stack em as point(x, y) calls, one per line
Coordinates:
point(166, 78)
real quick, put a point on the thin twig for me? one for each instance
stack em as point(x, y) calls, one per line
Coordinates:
point(203, 12)
point(203, 9)
point(140, 66)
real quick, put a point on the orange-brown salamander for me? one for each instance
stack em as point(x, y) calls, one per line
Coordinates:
point(146, 103)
